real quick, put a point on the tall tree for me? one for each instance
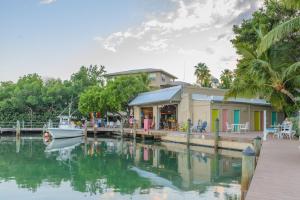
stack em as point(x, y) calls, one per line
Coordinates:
point(203, 75)
point(286, 28)
point(115, 96)
point(226, 79)
point(274, 74)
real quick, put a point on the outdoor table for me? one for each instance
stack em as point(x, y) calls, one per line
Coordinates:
point(237, 127)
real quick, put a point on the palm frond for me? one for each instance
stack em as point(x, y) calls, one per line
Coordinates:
point(293, 69)
point(246, 52)
point(291, 4)
point(278, 33)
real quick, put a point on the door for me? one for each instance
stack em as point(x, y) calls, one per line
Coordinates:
point(224, 119)
point(215, 115)
point(236, 119)
point(256, 120)
point(261, 125)
point(274, 118)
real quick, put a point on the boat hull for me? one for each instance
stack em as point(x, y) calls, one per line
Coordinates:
point(65, 132)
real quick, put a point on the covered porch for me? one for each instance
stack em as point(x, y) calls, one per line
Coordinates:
point(157, 110)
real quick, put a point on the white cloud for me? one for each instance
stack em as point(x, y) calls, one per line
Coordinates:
point(196, 31)
point(47, 1)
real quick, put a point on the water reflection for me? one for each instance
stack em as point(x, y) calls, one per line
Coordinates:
point(119, 169)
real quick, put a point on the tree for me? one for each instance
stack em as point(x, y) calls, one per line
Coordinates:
point(266, 77)
point(115, 96)
point(274, 74)
point(226, 79)
point(32, 97)
point(286, 28)
point(203, 75)
point(91, 100)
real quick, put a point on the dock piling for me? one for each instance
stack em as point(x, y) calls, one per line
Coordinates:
point(217, 134)
point(188, 132)
point(248, 166)
point(257, 145)
point(85, 131)
point(18, 129)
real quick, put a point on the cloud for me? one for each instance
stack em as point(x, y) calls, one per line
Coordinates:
point(47, 1)
point(189, 17)
point(194, 31)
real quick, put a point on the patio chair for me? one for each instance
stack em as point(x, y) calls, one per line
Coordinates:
point(287, 130)
point(229, 128)
point(245, 127)
point(203, 127)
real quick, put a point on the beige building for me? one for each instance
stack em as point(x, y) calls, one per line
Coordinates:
point(158, 77)
point(171, 107)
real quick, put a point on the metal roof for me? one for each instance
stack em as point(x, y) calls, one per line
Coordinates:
point(157, 96)
point(139, 71)
point(201, 97)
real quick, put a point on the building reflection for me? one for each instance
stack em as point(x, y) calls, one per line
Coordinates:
point(187, 169)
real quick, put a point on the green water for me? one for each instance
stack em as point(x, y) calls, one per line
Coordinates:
point(113, 169)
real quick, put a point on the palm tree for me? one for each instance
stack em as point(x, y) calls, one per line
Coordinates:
point(282, 30)
point(203, 75)
point(262, 76)
point(226, 79)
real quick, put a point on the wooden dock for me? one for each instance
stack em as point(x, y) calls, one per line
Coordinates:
point(277, 175)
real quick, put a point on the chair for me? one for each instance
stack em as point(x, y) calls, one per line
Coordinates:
point(203, 127)
point(229, 128)
point(287, 130)
point(245, 127)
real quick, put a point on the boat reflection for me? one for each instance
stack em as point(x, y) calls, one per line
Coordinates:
point(63, 146)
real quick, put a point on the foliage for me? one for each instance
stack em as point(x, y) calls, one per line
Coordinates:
point(203, 75)
point(226, 79)
point(115, 96)
point(286, 28)
point(32, 98)
point(90, 100)
point(275, 74)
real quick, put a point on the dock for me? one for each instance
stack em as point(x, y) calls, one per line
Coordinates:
point(277, 174)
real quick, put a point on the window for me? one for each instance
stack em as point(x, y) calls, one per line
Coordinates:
point(152, 76)
point(163, 78)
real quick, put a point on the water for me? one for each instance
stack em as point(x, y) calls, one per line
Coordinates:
point(114, 169)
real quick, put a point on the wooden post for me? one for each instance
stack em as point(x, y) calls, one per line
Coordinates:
point(257, 145)
point(134, 129)
point(248, 166)
point(18, 129)
point(122, 129)
point(188, 132)
point(85, 131)
point(95, 129)
point(217, 137)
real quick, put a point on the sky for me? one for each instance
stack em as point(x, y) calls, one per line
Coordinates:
point(55, 37)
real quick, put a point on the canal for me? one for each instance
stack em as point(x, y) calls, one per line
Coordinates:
point(106, 168)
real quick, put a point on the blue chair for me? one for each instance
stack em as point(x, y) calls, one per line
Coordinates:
point(203, 127)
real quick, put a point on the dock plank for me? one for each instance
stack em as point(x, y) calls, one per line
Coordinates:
point(277, 175)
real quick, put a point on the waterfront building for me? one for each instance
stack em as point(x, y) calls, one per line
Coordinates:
point(158, 77)
point(169, 108)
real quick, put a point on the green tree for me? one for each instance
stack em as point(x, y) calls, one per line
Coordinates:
point(115, 96)
point(203, 75)
point(92, 100)
point(287, 27)
point(274, 74)
point(226, 79)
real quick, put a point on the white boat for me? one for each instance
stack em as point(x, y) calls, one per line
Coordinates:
point(65, 129)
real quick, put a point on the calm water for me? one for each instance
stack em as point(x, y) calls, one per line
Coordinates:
point(113, 169)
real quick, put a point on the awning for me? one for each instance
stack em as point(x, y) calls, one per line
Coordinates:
point(167, 95)
point(201, 97)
